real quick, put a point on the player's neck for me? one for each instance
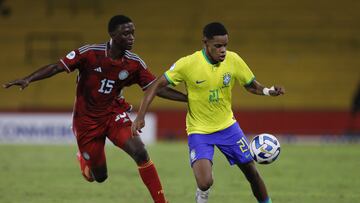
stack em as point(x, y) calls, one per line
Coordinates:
point(115, 52)
point(208, 58)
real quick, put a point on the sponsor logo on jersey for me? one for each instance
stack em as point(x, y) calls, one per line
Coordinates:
point(71, 55)
point(123, 74)
point(200, 81)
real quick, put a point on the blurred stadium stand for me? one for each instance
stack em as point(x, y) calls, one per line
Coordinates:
point(73, 7)
point(5, 10)
point(49, 45)
point(309, 47)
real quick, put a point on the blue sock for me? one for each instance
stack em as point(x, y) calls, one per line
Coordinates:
point(268, 200)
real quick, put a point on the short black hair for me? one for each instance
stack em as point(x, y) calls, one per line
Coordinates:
point(117, 20)
point(215, 28)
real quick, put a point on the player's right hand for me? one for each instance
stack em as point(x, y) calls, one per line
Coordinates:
point(23, 83)
point(277, 91)
point(137, 125)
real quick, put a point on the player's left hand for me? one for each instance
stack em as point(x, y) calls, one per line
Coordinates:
point(137, 125)
point(276, 91)
point(23, 83)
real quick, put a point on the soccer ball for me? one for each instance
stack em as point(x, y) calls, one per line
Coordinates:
point(264, 148)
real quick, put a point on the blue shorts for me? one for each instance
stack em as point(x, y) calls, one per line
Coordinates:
point(230, 141)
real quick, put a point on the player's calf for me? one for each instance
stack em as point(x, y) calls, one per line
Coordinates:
point(257, 184)
point(149, 175)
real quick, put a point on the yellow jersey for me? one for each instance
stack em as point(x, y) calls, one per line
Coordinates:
point(209, 89)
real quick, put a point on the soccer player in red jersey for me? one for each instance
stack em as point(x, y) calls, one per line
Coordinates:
point(103, 71)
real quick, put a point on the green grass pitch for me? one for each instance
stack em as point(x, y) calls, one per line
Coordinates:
point(327, 173)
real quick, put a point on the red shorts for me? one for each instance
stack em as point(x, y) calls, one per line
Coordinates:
point(91, 137)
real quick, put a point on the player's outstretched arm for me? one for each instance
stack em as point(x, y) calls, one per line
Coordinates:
point(150, 93)
point(171, 94)
point(256, 88)
point(42, 73)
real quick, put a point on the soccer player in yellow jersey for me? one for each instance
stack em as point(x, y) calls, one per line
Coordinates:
point(209, 75)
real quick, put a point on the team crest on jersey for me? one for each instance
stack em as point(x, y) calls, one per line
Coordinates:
point(71, 55)
point(226, 79)
point(123, 74)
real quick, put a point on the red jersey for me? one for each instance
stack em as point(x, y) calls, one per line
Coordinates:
point(101, 79)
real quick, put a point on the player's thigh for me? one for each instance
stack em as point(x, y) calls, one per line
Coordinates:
point(121, 136)
point(200, 147)
point(201, 155)
point(235, 154)
point(236, 148)
point(119, 129)
point(93, 152)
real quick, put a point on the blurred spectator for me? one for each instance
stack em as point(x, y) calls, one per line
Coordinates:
point(5, 11)
point(353, 129)
point(355, 108)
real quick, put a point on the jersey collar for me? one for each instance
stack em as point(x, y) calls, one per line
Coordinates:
point(107, 51)
point(203, 51)
point(108, 44)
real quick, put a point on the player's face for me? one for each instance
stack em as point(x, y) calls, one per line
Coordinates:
point(124, 36)
point(216, 47)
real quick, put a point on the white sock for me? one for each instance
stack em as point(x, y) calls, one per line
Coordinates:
point(202, 196)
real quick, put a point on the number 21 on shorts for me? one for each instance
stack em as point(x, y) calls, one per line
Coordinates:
point(243, 144)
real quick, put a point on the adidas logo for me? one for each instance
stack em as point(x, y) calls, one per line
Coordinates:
point(98, 69)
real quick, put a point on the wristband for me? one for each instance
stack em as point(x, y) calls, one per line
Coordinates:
point(266, 90)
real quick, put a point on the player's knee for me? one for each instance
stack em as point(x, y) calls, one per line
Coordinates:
point(100, 178)
point(141, 156)
point(99, 174)
point(205, 184)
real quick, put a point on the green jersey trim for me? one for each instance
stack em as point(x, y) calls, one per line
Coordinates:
point(169, 80)
point(248, 83)
point(205, 56)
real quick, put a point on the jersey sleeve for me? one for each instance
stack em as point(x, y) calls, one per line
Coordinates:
point(243, 74)
point(73, 60)
point(175, 74)
point(145, 77)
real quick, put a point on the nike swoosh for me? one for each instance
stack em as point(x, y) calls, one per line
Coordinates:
point(200, 81)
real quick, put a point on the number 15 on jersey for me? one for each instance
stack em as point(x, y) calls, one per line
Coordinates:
point(106, 86)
